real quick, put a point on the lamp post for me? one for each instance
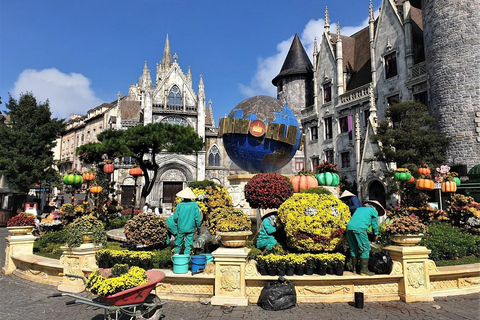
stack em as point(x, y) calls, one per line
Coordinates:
point(135, 172)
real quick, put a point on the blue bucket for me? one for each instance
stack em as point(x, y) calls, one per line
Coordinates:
point(198, 262)
point(180, 263)
point(208, 257)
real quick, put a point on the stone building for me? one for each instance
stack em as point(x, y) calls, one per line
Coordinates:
point(169, 97)
point(356, 77)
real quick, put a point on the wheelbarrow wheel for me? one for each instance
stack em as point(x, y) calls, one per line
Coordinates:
point(151, 309)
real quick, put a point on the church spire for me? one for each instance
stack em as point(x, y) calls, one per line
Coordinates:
point(327, 23)
point(370, 13)
point(167, 56)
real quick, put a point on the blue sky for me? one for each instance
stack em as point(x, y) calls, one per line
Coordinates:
point(79, 54)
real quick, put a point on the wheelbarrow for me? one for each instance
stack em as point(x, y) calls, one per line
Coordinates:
point(137, 303)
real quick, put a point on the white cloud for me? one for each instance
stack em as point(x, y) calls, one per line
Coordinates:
point(67, 93)
point(268, 68)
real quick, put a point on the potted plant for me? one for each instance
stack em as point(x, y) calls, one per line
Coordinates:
point(232, 225)
point(85, 230)
point(310, 264)
point(261, 265)
point(338, 262)
point(300, 263)
point(289, 264)
point(321, 264)
point(272, 264)
point(21, 224)
point(405, 230)
point(281, 265)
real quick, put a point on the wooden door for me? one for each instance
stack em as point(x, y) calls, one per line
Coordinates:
point(127, 196)
point(170, 189)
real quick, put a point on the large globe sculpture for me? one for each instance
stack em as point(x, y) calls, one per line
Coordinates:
point(260, 134)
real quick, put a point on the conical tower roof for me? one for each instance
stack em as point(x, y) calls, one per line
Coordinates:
point(296, 63)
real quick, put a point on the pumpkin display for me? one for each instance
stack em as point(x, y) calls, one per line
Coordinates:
point(88, 176)
point(108, 168)
point(412, 180)
point(302, 182)
point(449, 186)
point(72, 179)
point(402, 174)
point(425, 185)
point(424, 171)
point(135, 171)
point(96, 189)
point(457, 181)
point(328, 179)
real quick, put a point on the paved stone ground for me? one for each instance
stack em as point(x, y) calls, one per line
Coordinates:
point(21, 299)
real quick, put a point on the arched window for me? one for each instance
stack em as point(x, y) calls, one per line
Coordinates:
point(175, 120)
point(214, 157)
point(174, 97)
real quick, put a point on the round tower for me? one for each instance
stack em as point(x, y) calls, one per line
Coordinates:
point(452, 47)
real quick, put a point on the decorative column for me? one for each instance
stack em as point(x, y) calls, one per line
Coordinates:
point(415, 265)
point(17, 246)
point(230, 285)
point(77, 261)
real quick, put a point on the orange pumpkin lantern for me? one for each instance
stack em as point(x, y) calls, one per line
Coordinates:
point(424, 171)
point(96, 189)
point(108, 168)
point(135, 171)
point(449, 186)
point(425, 184)
point(88, 176)
point(303, 182)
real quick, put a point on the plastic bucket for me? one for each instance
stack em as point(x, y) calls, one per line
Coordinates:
point(198, 262)
point(180, 263)
point(208, 257)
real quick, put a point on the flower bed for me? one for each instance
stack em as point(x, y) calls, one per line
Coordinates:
point(314, 222)
point(107, 258)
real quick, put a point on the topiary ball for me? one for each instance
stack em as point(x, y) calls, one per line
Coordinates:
point(314, 222)
point(148, 229)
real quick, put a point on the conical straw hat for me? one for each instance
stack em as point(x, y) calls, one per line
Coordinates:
point(346, 193)
point(380, 208)
point(187, 193)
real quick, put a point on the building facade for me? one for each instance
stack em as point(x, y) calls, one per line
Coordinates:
point(356, 78)
point(168, 98)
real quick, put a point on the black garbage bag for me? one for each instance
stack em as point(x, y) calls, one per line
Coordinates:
point(380, 262)
point(278, 295)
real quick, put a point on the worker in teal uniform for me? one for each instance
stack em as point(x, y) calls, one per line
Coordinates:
point(266, 238)
point(187, 218)
point(357, 233)
point(172, 228)
point(350, 200)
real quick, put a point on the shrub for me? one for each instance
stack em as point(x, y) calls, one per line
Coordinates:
point(21, 220)
point(318, 190)
point(107, 257)
point(448, 242)
point(54, 237)
point(464, 211)
point(82, 225)
point(119, 269)
point(268, 190)
point(313, 222)
point(146, 229)
point(202, 184)
point(118, 222)
point(405, 225)
point(162, 258)
point(228, 219)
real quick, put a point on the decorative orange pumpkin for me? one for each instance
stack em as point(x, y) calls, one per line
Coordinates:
point(88, 176)
point(96, 189)
point(449, 186)
point(303, 182)
point(424, 171)
point(425, 184)
point(108, 168)
point(135, 171)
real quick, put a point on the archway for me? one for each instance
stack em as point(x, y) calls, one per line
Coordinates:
point(376, 191)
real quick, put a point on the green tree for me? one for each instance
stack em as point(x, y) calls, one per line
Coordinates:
point(410, 135)
point(27, 142)
point(143, 143)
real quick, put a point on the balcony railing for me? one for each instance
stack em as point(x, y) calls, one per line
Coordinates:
point(418, 70)
point(158, 108)
point(356, 94)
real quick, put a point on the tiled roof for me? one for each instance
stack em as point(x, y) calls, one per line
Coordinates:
point(130, 110)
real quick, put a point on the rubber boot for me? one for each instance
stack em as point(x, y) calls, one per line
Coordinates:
point(364, 268)
point(354, 263)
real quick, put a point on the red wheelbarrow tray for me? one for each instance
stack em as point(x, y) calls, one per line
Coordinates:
point(135, 295)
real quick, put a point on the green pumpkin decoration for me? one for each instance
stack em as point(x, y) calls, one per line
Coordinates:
point(72, 179)
point(328, 179)
point(403, 175)
point(457, 181)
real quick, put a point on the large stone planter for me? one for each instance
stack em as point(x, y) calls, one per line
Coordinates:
point(407, 240)
point(234, 239)
point(20, 230)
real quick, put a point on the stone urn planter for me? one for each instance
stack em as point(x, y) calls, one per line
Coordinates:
point(20, 230)
point(87, 237)
point(234, 239)
point(407, 240)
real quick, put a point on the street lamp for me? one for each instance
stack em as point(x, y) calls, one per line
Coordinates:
point(135, 172)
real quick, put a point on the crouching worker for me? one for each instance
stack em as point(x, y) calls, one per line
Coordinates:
point(187, 219)
point(357, 233)
point(266, 238)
